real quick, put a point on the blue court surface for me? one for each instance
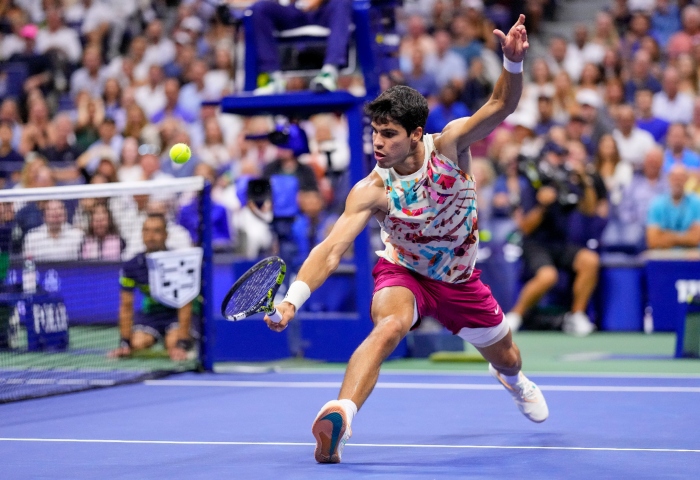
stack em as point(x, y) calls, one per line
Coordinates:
point(414, 426)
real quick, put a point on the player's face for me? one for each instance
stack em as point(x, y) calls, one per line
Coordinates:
point(154, 235)
point(392, 143)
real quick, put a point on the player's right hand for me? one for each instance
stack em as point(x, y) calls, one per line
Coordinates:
point(287, 310)
point(119, 352)
point(546, 196)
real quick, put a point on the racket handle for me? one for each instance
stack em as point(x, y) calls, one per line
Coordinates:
point(277, 316)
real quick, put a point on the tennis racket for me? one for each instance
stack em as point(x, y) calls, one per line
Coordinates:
point(255, 291)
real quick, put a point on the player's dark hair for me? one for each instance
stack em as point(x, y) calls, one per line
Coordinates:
point(160, 217)
point(399, 104)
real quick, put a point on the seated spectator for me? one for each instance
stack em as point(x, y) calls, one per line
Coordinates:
point(677, 151)
point(416, 37)
point(107, 146)
point(151, 96)
point(129, 167)
point(160, 49)
point(418, 77)
point(253, 230)
point(195, 92)
point(674, 218)
point(9, 112)
point(214, 152)
point(665, 21)
point(311, 226)
point(615, 173)
point(269, 17)
point(447, 109)
point(112, 99)
point(56, 240)
point(188, 216)
point(55, 36)
point(61, 152)
point(11, 162)
point(545, 110)
point(35, 134)
point(154, 321)
point(478, 87)
point(102, 241)
point(683, 41)
point(466, 39)
point(38, 64)
point(670, 104)
point(91, 76)
point(628, 220)
point(90, 115)
point(646, 120)
point(173, 107)
point(597, 123)
point(219, 80)
point(633, 143)
point(508, 186)
point(447, 65)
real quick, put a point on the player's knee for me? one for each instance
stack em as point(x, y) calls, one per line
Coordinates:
point(587, 260)
point(548, 275)
point(391, 329)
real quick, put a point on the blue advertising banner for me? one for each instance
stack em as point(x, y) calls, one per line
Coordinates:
point(671, 282)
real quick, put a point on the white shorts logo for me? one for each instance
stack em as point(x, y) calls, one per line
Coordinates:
point(175, 276)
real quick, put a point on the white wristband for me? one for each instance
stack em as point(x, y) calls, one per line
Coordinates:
point(298, 293)
point(513, 67)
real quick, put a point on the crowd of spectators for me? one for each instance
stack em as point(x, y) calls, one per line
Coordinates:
point(97, 91)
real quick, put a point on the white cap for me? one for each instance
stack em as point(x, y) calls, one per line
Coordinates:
point(522, 118)
point(588, 97)
point(475, 4)
point(192, 23)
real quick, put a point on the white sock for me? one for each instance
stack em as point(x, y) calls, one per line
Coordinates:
point(332, 69)
point(511, 379)
point(350, 409)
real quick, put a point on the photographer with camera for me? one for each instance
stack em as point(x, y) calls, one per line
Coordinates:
point(553, 192)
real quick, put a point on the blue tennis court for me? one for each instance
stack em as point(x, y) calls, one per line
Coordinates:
point(415, 425)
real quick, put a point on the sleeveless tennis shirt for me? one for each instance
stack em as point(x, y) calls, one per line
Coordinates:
point(431, 227)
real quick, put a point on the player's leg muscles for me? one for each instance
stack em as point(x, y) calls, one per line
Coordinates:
point(392, 314)
point(504, 355)
point(141, 340)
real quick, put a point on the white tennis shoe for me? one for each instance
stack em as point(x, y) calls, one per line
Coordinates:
point(527, 396)
point(331, 430)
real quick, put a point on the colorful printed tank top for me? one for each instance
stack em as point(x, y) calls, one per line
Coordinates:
point(431, 227)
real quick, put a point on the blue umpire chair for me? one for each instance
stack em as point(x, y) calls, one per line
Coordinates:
point(373, 46)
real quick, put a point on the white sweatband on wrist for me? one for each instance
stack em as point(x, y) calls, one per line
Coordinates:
point(298, 293)
point(513, 67)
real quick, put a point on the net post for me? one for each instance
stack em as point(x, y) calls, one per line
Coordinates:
point(206, 357)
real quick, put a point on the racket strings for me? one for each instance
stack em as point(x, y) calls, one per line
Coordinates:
point(254, 290)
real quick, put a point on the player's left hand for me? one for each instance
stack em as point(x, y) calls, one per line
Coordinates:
point(177, 354)
point(515, 44)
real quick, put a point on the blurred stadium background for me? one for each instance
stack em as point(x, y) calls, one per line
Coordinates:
point(94, 94)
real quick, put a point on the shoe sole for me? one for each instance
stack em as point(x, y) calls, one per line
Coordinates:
point(328, 429)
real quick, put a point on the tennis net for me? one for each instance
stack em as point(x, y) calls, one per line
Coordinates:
point(65, 265)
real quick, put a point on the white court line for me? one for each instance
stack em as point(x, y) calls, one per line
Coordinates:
point(450, 373)
point(358, 445)
point(413, 386)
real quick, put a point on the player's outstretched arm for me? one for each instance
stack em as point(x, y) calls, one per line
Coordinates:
point(461, 133)
point(365, 199)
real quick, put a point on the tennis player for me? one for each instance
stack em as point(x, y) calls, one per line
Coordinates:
point(423, 195)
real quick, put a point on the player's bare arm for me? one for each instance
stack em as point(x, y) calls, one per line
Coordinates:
point(126, 320)
point(459, 134)
point(367, 198)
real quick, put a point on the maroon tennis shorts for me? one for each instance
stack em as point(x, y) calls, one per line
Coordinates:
point(455, 305)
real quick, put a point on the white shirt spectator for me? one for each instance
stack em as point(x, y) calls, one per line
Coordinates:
point(42, 247)
point(10, 45)
point(161, 53)
point(64, 39)
point(216, 82)
point(634, 147)
point(448, 68)
point(678, 110)
point(151, 100)
point(82, 80)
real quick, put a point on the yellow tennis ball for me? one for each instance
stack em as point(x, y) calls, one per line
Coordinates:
point(180, 153)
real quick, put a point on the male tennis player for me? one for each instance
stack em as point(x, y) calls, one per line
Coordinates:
point(423, 196)
point(153, 321)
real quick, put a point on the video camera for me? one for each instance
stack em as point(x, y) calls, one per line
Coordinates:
point(562, 178)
